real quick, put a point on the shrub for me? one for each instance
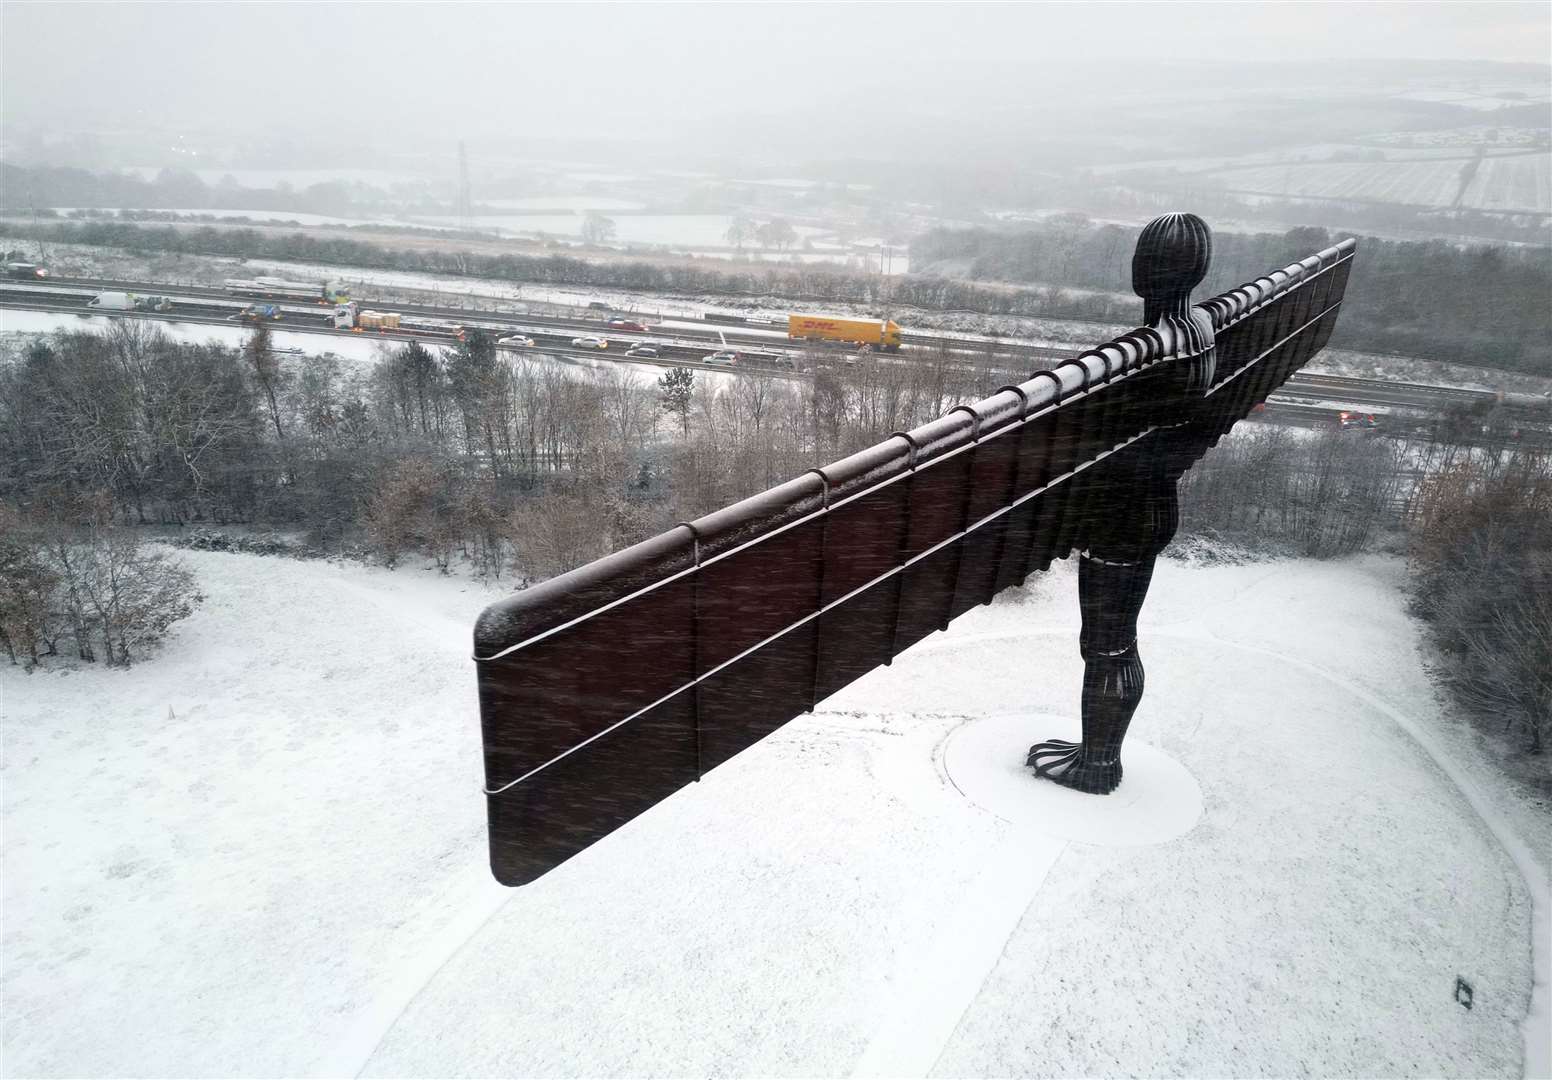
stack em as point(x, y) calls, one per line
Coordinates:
point(72, 573)
point(1270, 488)
point(1482, 563)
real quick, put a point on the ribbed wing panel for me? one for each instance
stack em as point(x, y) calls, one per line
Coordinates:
point(604, 691)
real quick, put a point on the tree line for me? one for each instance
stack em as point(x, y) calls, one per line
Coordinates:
point(514, 465)
point(1482, 581)
point(23, 188)
point(1473, 304)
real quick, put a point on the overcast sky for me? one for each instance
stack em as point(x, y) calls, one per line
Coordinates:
point(611, 69)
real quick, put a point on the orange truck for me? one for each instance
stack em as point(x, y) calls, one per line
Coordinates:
point(879, 333)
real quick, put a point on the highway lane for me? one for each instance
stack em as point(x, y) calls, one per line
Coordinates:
point(766, 351)
point(756, 335)
point(686, 342)
point(214, 314)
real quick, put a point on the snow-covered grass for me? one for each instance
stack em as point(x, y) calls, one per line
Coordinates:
point(262, 853)
point(361, 349)
point(1364, 365)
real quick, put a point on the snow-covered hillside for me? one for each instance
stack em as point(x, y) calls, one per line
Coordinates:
point(262, 853)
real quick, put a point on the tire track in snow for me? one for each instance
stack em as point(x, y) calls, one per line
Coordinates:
point(356, 1048)
point(938, 978)
point(483, 896)
point(941, 983)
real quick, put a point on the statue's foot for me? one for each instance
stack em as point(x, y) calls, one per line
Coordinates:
point(1065, 763)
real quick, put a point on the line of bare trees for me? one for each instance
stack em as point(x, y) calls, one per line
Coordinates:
point(1482, 576)
point(1272, 488)
point(514, 462)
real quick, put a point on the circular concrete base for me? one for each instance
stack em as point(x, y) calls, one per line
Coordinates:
point(1158, 799)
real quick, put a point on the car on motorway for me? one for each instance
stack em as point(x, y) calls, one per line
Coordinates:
point(113, 301)
point(589, 341)
point(648, 351)
point(627, 324)
point(517, 341)
point(25, 270)
point(726, 358)
point(1358, 420)
point(766, 359)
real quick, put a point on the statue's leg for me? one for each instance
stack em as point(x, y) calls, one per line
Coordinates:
point(1113, 578)
point(1110, 594)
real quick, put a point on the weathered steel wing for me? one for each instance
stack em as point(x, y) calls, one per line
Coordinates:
point(605, 690)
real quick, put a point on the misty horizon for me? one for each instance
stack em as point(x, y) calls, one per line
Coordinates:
point(642, 73)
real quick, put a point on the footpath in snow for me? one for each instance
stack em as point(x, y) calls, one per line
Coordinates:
point(263, 854)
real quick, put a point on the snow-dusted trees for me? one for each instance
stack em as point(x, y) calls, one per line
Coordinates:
point(157, 424)
point(474, 381)
point(776, 234)
point(27, 587)
point(415, 509)
point(675, 388)
point(629, 411)
point(1271, 488)
point(68, 573)
point(259, 354)
point(597, 229)
point(740, 232)
point(1482, 563)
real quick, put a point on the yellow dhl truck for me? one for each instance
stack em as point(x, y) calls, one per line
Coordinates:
point(879, 333)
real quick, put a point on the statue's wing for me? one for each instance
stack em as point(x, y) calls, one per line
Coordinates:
point(607, 689)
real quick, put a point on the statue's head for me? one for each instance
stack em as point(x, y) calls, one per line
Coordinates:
point(1172, 256)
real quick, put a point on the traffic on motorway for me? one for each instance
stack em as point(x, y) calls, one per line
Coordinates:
point(323, 307)
point(728, 342)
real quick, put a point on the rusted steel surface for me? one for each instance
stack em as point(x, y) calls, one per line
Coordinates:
point(606, 689)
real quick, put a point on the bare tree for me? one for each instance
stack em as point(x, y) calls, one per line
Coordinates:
point(71, 570)
point(27, 587)
point(628, 405)
point(259, 351)
point(740, 231)
point(597, 229)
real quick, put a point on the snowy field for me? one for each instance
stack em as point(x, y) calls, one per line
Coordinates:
point(680, 232)
point(297, 178)
point(262, 854)
point(283, 216)
point(14, 321)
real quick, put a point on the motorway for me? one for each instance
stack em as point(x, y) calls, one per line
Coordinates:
point(763, 344)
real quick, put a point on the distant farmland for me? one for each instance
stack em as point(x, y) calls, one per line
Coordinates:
point(1520, 182)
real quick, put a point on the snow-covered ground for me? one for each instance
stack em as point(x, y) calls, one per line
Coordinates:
point(671, 230)
point(14, 321)
point(262, 853)
point(297, 178)
point(283, 216)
